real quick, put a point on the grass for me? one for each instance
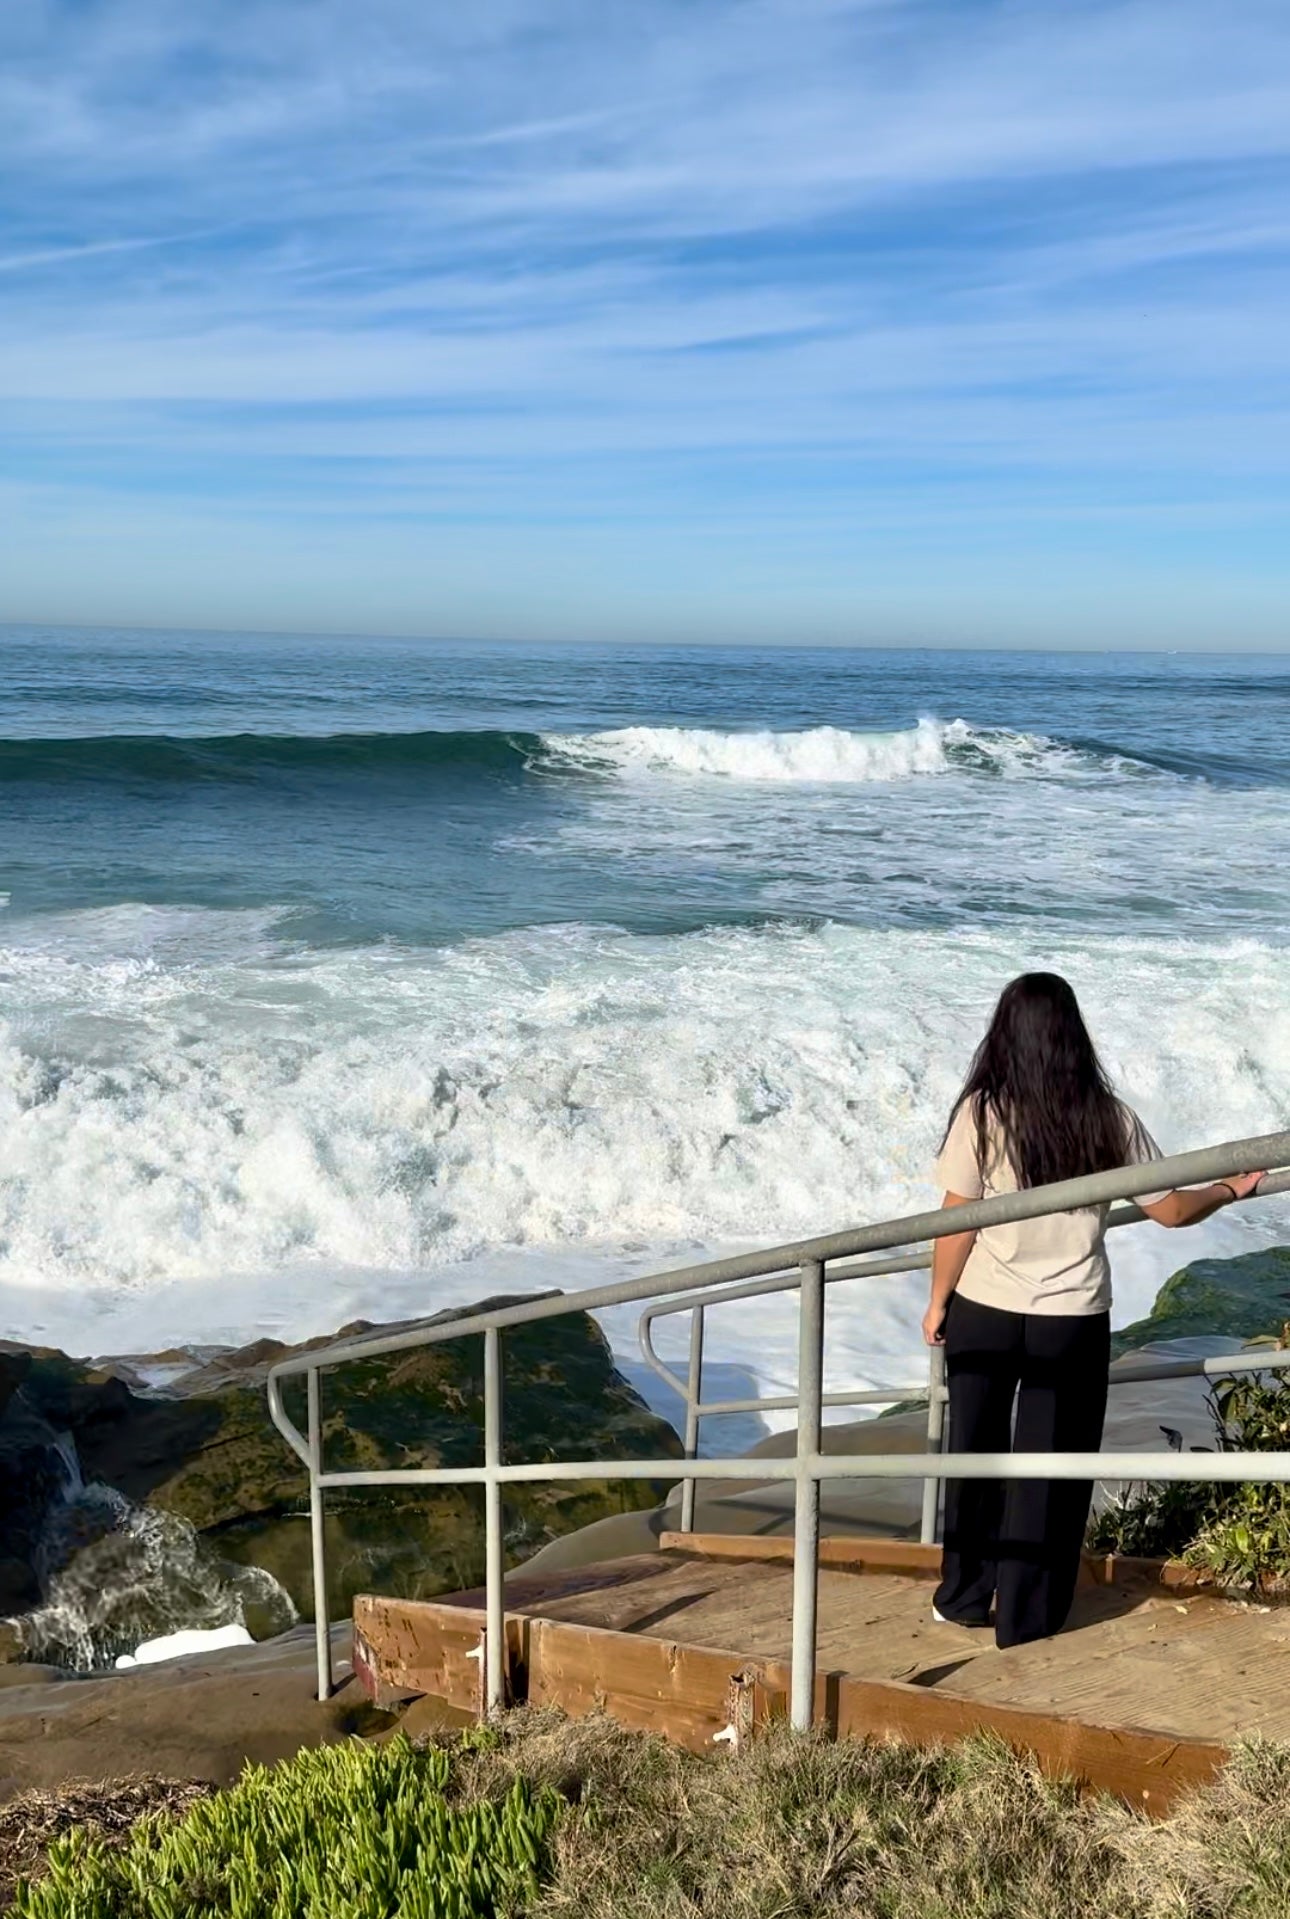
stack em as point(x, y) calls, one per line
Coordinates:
point(608, 1824)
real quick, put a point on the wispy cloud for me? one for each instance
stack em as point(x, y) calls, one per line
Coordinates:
point(785, 261)
point(91, 249)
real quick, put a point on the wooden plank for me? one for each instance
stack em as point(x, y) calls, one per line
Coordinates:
point(908, 1556)
point(1149, 1769)
point(1113, 1569)
point(650, 1685)
point(685, 1693)
point(408, 1648)
point(837, 1551)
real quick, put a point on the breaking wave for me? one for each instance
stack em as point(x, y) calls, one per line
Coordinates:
point(827, 755)
point(820, 755)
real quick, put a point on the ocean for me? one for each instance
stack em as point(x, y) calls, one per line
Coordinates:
point(358, 977)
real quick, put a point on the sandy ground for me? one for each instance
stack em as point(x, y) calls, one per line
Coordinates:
point(200, 1718)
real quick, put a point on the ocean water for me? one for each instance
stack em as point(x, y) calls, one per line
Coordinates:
point(346, 977)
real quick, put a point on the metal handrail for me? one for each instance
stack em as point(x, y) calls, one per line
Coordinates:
point(809, 1466)
point(689, 1388)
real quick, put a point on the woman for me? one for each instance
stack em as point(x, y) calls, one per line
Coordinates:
point(1023, 1311)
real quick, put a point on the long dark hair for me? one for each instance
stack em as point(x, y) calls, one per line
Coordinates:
point(1037, 1076)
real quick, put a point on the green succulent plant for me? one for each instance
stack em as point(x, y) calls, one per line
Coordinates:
point(340, 1832)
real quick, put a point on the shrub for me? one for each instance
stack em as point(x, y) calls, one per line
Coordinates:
point(1244, 1539)
point(1238, 1531)
point(1151, 1521)
point(341, 1832)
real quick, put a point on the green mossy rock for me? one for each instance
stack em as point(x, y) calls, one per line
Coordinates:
point(1243, 1298)
point(208, 1452)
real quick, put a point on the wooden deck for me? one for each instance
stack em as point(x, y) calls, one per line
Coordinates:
point(1142, 1694)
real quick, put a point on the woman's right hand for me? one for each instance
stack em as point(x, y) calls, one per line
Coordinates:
point(934, 1324)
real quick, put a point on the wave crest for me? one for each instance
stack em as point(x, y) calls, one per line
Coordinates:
point(820, 755)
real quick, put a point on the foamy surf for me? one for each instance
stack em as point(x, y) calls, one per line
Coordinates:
point(820, 755)
point(384, 1132)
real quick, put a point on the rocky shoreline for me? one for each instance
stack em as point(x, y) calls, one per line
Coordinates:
point(174, 1456)
point(146, 1492)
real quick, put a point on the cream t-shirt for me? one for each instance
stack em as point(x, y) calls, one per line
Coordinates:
point(1052, 1265)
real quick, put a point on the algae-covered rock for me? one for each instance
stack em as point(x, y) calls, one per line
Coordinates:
point(1243, 1298)
point(206, 1450)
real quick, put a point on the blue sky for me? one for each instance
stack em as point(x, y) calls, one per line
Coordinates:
point(786, 319)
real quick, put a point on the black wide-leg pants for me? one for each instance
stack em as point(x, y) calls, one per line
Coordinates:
point(1018, 1541)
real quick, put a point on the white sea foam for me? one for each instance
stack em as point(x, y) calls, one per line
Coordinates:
point(180, 1645)
point(820, 755)
point(384, 1131)
point(116, 1576)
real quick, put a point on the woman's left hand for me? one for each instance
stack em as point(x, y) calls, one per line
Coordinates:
point(934, 1324)
point(1242, 1185)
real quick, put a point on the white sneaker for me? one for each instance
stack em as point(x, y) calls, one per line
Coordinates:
point(940, 1618)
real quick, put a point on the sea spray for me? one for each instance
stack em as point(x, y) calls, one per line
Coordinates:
point(116, 1574)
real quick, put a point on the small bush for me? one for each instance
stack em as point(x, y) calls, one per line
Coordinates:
point(1238, 1531)
point(343, 1832)
point(1244, 1539)
point(1152, 1521)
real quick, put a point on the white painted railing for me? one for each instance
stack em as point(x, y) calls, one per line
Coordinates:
point(806, 1266)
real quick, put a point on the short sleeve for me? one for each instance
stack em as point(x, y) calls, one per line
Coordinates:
point(958, 1169)
point(1142, 1149)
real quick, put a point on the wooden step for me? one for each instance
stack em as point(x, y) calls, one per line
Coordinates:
point(1141, 1698)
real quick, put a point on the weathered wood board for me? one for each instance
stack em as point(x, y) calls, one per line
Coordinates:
point(405, 1649)
point(911, 1557)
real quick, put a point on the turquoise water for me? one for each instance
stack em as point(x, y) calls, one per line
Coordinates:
point(374, 790)
point(357, 975)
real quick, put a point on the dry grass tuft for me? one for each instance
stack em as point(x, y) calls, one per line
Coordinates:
point(805, 1828)
point(1225, 1851)
point(795, 1827)
point(30, 1823)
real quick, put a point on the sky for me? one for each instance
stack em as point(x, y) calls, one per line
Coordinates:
point(797, 320)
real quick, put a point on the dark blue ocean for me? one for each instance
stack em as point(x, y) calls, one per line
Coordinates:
point(362, 975)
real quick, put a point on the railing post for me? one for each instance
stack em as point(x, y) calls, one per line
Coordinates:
point(318, 1541)
point(935, 1441)
point(495, 1598)
point(806, 1492)
point(694, 1395)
